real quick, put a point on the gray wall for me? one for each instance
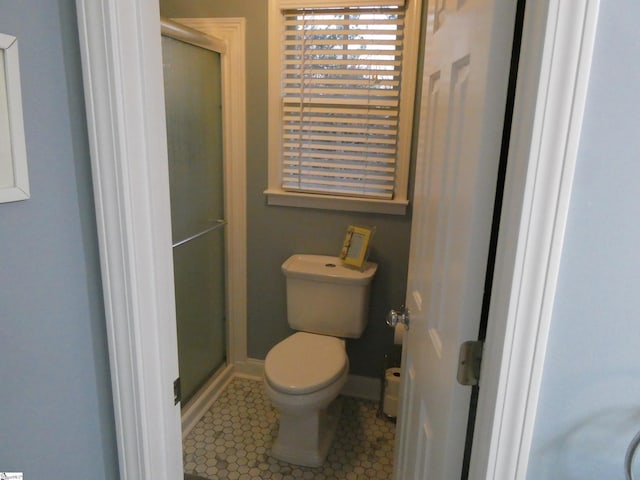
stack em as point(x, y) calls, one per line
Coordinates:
point(56, 414)
point(274, 233)
point(590, 401)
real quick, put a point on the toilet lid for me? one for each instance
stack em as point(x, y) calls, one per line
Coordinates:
point(305, 362)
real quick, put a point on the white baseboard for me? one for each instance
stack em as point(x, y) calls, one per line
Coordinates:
point(250, 368)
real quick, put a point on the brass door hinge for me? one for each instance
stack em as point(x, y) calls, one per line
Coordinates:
point(469, 363)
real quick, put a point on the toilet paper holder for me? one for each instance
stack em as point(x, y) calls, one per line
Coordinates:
point(394, 317)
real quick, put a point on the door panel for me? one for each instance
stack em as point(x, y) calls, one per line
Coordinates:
point(466, 69)
point(192, 77)
point(198, 268)
point(193, 102)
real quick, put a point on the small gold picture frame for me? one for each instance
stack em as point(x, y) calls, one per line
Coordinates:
point(355, 248)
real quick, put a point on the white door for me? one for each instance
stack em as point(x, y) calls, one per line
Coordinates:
point(467, 59)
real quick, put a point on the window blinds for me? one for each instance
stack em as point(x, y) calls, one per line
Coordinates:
point(340, 100)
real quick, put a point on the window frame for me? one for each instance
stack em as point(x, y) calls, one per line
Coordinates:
point(275, 194)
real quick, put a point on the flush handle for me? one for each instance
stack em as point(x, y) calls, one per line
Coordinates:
point(395, 317)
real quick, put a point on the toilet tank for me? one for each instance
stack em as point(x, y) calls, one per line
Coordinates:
point(325, 297)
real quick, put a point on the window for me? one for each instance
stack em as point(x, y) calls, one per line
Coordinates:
point(341, 94)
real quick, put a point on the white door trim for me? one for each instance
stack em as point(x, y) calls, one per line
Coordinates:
point(121, 57)
point(552, 83)
point(122, 70)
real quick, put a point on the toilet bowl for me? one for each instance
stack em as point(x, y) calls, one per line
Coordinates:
point(305, 372)
point(303, 376)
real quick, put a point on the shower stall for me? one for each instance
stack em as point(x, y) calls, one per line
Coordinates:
point(193, 100)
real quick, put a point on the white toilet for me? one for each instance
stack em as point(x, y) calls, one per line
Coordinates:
point(304, 373)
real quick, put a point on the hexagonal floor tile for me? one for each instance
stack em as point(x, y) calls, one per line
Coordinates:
point(233, 440)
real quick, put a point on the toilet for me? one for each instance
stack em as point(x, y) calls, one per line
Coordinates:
point(304, 373)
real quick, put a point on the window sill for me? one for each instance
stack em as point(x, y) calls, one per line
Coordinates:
point(330, 202)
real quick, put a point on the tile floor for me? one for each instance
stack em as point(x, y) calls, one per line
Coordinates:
point(233, 440)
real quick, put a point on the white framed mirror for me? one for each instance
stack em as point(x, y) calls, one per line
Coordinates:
point(14, 178)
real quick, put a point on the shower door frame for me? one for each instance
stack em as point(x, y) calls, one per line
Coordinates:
point(232, 31)
point(229, 34)
point(235, 344)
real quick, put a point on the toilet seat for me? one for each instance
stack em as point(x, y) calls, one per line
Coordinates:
point(305, 362)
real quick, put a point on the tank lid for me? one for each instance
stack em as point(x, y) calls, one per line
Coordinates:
point(327, 268)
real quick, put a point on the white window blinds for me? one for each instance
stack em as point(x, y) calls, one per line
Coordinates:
point(340, 100)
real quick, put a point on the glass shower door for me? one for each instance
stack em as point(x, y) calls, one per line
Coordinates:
point(192, 78)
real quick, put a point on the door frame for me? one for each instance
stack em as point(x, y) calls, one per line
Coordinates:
point(121, 61)
point(553, 77)
point(124, 97)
